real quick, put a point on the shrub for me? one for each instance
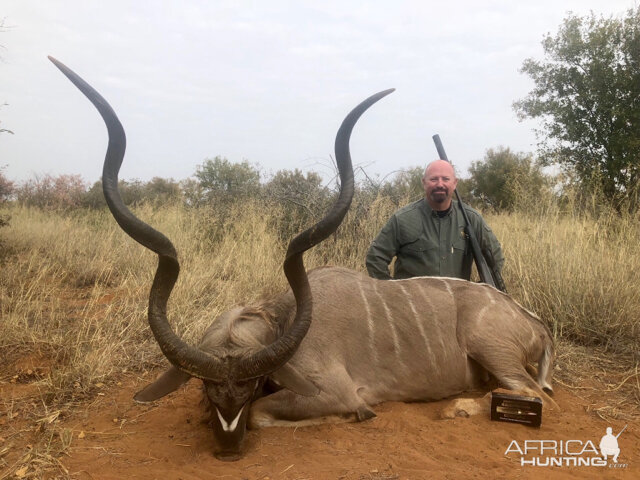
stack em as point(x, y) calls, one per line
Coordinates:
point(48, 192)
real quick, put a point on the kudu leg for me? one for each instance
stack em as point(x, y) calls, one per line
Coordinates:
point(288, 409)
point(506, 366)
point(502, 357)
point(337, 402)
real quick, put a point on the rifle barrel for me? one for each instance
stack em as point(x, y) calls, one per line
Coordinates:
point(625, 427)
point(483, 269)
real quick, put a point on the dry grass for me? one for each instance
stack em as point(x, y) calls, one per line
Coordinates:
point(610, 384)
point(73, 293)
point(579, 274)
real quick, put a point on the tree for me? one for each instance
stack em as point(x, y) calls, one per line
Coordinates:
point(6, 190)
point(302, 197)
point(135, 192)
point(587, 94)
point(220, 177)
point(6, 186)
point(406, 184)
point(162, 190)
point(62, 192)
point(294, 187)
point(502, 176)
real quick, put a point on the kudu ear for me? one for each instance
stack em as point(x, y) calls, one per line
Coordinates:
point(166, 383)
point(292, 379)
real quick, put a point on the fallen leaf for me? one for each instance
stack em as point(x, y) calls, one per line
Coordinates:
point(81, 435)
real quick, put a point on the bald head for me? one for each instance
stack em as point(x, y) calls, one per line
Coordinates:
point(441, 166)
point(439, 182)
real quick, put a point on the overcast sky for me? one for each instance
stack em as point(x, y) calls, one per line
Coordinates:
point(268, 81)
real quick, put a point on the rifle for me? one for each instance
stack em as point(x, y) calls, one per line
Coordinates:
point(625, 427)
point(489, 276)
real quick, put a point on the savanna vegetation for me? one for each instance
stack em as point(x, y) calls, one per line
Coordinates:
point(73, 286)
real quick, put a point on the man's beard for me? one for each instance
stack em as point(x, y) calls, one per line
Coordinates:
point(439, 196)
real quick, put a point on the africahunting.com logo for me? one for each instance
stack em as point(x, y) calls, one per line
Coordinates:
point(569, 453)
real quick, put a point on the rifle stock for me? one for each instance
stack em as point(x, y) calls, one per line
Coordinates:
point(487, 275)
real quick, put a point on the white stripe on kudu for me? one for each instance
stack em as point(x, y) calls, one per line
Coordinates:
point(388, 315)
point(448, 287)
point(370, 324)
point(416, 316)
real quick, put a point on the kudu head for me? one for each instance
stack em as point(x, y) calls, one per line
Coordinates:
point(231, 378)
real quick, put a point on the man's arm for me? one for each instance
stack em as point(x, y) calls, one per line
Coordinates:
point(382, 251)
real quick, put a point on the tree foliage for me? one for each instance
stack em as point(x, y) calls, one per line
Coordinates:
point(6, 186)
point(218, 177)
point(135, 192)
point(587, 94)
point(406, 184)
point(49, 192)
point(498, 180)
point(302, 197)
point(6, 190)
point(294, 187)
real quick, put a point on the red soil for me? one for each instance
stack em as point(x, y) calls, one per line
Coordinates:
point(121, 439)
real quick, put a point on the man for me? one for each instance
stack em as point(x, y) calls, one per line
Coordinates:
point(428, 237)
point(609, 445)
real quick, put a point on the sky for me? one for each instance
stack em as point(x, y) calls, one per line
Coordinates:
point(269, 81)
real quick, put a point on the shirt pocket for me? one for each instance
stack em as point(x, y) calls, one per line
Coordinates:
point(459, 246)
point(418, 245)
point(419, 256)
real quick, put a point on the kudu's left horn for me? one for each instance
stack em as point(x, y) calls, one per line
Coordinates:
point(189, 359)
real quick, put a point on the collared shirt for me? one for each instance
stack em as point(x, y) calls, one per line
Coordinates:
point(425, 244)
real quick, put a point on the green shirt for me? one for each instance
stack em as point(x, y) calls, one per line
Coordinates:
point(425, 244)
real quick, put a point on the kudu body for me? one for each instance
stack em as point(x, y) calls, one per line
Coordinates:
point(370, 340)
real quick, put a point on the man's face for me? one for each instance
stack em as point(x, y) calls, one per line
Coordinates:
point(439, 182)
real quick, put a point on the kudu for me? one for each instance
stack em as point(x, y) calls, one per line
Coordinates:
point(370, 340)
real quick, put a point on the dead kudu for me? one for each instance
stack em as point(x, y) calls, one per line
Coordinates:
point(370, 341)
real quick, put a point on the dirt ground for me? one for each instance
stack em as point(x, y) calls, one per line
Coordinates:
point(114, 438)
